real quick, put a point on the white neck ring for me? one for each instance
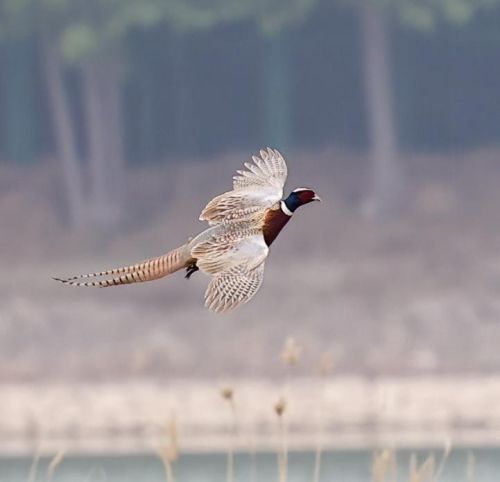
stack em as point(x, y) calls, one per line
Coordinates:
point(285, 209)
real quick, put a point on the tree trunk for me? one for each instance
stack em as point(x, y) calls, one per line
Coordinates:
point(277, 92)
point(19, 102)
point(101, 87)
point(65, 137)
point(147, 139)
point(112, 104)
point(387, 178)
point(185, 131)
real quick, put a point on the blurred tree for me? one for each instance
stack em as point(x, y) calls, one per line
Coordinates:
point(63, 27)
point(275, 17)
point(89, 35)
point(376, 16)
point(277, 103)
point(387, 180)
point(65, 135)
point(20, 100)
point(21, 19)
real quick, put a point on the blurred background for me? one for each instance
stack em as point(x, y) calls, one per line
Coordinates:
point(121, 119)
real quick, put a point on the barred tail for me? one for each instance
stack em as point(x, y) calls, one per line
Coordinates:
point(148, 270)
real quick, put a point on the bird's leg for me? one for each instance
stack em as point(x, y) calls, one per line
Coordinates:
point(192, 268)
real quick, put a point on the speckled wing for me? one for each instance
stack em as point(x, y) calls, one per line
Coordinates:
point(255, 189)
point(233, 287)
point(229, 246)
point(268, 170)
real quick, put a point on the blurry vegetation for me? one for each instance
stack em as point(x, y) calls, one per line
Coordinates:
point(102, 82)
point(376, 19)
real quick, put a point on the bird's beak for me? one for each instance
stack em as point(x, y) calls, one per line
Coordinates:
point(316, 198)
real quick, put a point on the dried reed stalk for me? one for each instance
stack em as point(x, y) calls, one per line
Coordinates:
point(384, 466)
point(279, 409)
point(34, 467)
point(54, 463)
point(325, 368)
point(444, 459)
point(227, 393)
point(471, 467)
point(169, 453)
point(424, 472)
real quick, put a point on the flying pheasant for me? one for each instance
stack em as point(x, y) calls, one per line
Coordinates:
point(244, 223)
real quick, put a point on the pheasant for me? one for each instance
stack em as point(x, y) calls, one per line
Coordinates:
point(243, 223)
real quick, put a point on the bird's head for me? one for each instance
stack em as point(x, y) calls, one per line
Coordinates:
point(300, 196)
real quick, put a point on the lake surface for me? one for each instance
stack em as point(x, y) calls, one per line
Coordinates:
point(342, 466)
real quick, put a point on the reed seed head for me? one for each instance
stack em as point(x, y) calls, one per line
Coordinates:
point(227, 392)
point(280, 407)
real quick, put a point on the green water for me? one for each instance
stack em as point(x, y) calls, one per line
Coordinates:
point(348, 466)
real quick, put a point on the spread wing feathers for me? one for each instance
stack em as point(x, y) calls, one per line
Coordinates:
point(240, 205)
point(255, 190)
point(233, 287)
point(267, 170)
point(148, 270)
point(233, 245)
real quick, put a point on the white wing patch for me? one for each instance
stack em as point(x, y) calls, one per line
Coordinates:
point(233, 287)
point(255, 190)
point(235, 245)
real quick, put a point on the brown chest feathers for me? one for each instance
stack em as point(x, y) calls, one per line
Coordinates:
point(274, 222)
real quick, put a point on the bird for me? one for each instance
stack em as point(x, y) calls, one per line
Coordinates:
point(243, 223)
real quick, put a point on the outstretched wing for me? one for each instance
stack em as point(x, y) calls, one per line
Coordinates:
point(268, 170)
point(230, 245)
point(255, 190)
point(233, 287)
point(234, 254)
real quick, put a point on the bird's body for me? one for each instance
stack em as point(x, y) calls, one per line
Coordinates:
point(244, 223)
point(274, 222)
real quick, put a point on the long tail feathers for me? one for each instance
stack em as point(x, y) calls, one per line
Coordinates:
point(148, 270)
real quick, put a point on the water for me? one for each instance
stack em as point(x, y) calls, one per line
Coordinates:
point(346, 466)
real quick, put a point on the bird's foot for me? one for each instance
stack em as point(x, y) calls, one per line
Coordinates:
point(192, 268)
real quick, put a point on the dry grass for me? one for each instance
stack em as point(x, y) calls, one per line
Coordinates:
point(384, 466)
point(471, 467)
point(227, 393)
point(169, 452)
point(444, 459)
point(326, 366)
point(383, 469)
point(54, 463)
point(424, 471)
point(34, 467)
point(290, 356)
point(280, 409)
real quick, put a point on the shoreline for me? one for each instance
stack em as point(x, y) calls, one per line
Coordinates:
point(339, 412)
